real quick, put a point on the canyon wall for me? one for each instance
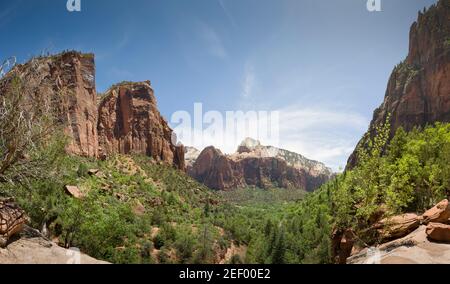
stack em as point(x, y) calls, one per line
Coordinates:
point(418, 91)
point(125, 121)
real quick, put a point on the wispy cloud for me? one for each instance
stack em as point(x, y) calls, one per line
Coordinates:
point(249, 82)
point(227, 13)
point(212, 41)
point(313, 116)
point(6, 14)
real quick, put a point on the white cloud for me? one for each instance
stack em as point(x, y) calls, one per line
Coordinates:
point(324, 134)
point(304, 118)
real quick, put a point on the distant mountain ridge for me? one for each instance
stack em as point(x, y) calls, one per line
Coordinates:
point(254, 147)
point(255, 165)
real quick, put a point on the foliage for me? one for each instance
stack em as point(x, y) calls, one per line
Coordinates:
point(26, 127)
point(409, 174)
point(258, 197)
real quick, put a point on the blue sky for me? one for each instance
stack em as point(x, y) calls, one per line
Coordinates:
point(324, 64)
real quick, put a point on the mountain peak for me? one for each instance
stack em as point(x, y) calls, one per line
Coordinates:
point(248, 145)
point(250, 142)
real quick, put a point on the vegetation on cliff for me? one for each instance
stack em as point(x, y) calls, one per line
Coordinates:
point(411, 174)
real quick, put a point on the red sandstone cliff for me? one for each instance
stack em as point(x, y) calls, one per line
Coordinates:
point(254, 165)
point(418, 92)
point(129, 122)
point(67, 81)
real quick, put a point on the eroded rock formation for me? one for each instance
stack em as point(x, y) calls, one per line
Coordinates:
point(130, 123)
point(129, 120)
point(67, 83)
point(255, 165)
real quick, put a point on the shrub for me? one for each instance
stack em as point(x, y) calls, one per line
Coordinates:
point(83, 170)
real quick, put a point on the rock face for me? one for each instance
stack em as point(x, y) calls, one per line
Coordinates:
point(67, 81)
point(125, 121)
point(12, 220)
point(418, 92)
point(129, 122)
point(254, 165)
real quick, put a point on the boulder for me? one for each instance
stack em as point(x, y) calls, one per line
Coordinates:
point(398, 226)
point(12, 220)
point(438, 232)
point(93, 172)
point(74, 191)
point(438, 214)
point(138, 208)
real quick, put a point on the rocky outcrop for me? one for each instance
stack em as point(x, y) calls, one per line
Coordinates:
point(438, 214)
point(12, 220)
point(130, 123)
point(415, 248)
point(418, 92)
point(254, 165)
point(67, 82)
point(398, 226)
point(31, 247)
point(438, 232)
point(406, 238)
